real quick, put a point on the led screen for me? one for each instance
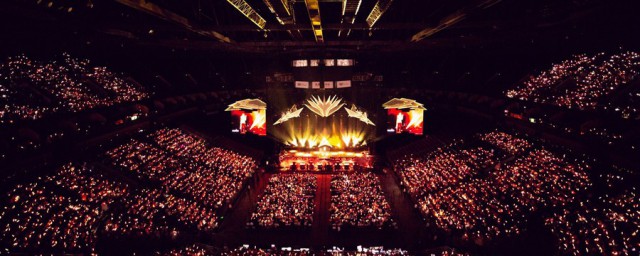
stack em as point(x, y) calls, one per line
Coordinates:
point(249, 121)
point(405, 121)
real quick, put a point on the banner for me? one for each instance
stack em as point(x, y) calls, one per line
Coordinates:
point(343, 84)
point(302, 84)
point(328, 84)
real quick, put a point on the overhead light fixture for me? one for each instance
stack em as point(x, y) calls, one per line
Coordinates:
point(162, 13)
point(313, 8)
point(452, 19)
point(350, 10)
point(282, 9)
point(248, 12)
point(377, 11)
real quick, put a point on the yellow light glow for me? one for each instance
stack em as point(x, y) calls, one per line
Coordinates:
point(416, 117)
point(259, 118)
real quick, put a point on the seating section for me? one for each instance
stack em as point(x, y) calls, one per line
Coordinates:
point(61, 212)
point(192, 250)
point(584, 82)
point(70, 210)
point(357, 200)
point(468, 190)
point(31, 89)
point(605, 226)
point(506, 142)
point(288, 201)
point(184, 164)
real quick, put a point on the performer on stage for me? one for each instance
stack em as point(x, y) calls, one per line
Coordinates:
point(399, 122)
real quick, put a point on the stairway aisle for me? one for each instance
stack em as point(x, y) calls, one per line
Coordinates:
point(410, 223)
point(233, 226)
point(321, 212)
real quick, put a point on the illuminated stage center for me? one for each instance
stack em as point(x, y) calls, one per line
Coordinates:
point(324, 133)
point(325, 159)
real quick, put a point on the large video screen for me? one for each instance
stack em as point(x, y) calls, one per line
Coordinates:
point(405, 121)
point(405, 116)
point(249, 116)
point(249, 121)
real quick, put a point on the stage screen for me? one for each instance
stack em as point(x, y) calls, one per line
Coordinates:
point(405, 121)
point(249, 121)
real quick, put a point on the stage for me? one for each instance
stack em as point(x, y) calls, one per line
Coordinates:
point(324, 159)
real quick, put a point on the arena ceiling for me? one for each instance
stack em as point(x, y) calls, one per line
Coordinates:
point(294, 25)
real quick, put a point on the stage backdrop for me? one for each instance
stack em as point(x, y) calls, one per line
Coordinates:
point(304, 126)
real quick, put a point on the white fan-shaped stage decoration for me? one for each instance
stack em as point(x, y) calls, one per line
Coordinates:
point(324, 107)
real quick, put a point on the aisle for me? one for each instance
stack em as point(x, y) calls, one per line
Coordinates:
point(233, 226)
point(321, 212)
point(411, 233)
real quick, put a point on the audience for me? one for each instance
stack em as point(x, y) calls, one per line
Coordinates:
point(368, 251)
point(191, 250)
point(288, 201)
point(31, 89)
point(493, 204)
point(505, 142)
point(357, 201)
point(445, 166)
point(184, 164)
point(582, 82)
point(605, 226)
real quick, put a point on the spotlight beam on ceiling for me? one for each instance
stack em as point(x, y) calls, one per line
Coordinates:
point(284, 12)
point(350, 9)
point(248, 12)
point(282, 9)
point(453, 19)
point(313, 8)
point(150, 8)
point(378, 10)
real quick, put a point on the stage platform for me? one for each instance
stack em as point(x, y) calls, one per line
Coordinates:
point(325, 160)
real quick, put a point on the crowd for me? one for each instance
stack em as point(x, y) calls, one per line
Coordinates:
point(69, 210)
point(214, 168)
point(288, 201)
point(190, 250)
point(58, 212)
point(499, 202)
point(35, 218)
point(541, 178)
point(581, 82)
point(30, 89)
point(335, 251)
point(357, 201)
point(506, 142)
point(442, 168)
point(604, 226)
point(184, 164)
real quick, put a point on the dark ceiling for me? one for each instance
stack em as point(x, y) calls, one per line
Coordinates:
point(406, 25)
point(467, 45)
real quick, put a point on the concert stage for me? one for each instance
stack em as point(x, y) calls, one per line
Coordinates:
point(325, 160)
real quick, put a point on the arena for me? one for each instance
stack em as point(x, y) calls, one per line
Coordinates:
point(319, 127)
